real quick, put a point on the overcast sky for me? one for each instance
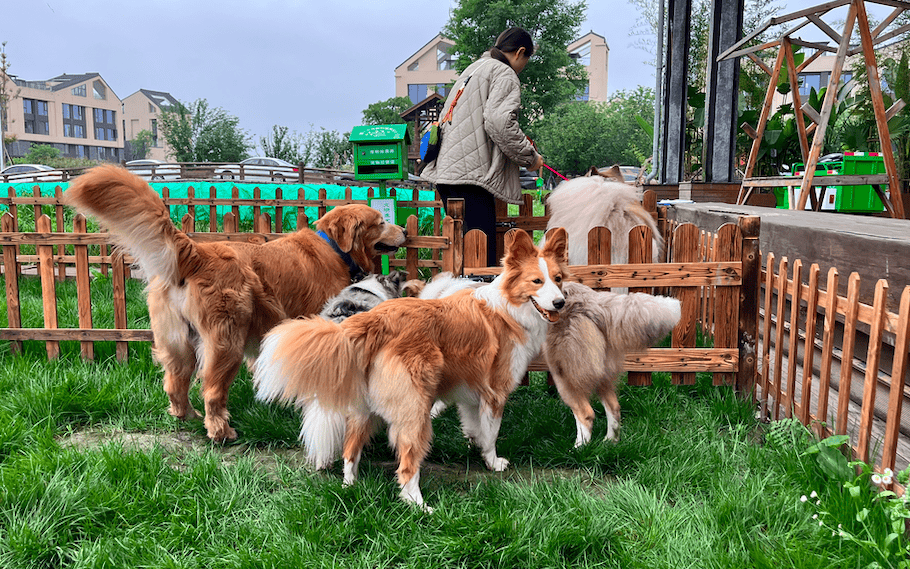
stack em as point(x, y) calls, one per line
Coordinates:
point(302, 64)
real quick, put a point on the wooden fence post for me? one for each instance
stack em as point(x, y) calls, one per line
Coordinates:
point(411, 252)
point(59, 217)
point(641, 243)
point(455, 210)
point(749, 292)
point(727, 247)
point(118, 283)
point(11, 274)
point(83, 288)
point(48, 288)
point(685, 250)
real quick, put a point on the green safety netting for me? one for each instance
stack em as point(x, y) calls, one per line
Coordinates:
point(223, 190)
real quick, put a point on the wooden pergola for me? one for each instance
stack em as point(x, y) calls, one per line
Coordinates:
point(856, 15)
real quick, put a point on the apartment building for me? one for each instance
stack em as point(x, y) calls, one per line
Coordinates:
point(431, 68)
point(141, 111)
point(81, 116)
point(78, 114)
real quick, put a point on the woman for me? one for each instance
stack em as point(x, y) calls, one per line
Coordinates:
point(483, 146)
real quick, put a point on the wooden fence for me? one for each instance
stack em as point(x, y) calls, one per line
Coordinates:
point(810, 342)
point(718, 287)
point(721, 279)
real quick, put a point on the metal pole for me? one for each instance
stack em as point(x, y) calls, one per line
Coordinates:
point(659, 68)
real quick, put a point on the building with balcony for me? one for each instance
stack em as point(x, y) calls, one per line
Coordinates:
point(80, 115)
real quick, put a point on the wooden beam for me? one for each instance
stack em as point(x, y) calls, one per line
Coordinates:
point(887, 22)
point(787, 47)
point(824, 27)
point(895, 108)
point(818, 53)
point(827, 106)
point(761, 64)
point(744, 194)
point(878, 106)
point(892, 34)
point(810, 112)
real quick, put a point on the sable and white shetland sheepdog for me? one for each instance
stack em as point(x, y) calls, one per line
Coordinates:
point(393, 362)
point(210, 303)
point(586, 349)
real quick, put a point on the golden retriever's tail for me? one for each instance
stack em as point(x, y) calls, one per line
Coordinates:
point(315, 365)
point(136, 217)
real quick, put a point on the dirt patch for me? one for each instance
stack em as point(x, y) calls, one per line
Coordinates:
point(180, 444)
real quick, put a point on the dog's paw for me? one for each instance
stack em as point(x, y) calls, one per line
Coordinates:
point(184, 413)
point(498, 464)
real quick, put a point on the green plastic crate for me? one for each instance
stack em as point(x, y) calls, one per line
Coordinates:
point(856, 199)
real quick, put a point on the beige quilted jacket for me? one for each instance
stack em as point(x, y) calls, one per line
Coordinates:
point(484, 145)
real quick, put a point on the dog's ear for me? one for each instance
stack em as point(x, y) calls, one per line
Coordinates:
point(613, 172)
point(557, 244)
point(521, 248)
point(592, 171)
point(342, 225)
point(413, 287)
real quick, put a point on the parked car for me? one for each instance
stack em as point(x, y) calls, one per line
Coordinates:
point(30, 173)
point(631, 173)
point(528, 179)
point(259, 169)
point(154, 170)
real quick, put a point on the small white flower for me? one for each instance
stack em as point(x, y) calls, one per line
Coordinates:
point(840, 526)
point(803, 498)
point(877, 479)
point(815, 517)
point(886, 480)
point(888, 472)
point(818, 502)
point(820, 523)
point(813, 494)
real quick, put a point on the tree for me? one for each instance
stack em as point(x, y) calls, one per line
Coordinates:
point(331, 149)
point(387, 112)
point(552, 77)
point(578, 135)
point(5, 97)
point(139, 146)
point(282, 144)
point(200, 133)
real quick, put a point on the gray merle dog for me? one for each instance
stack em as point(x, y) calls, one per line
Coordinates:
point(363, 295)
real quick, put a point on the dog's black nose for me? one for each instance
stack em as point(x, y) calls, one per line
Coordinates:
point(559, 303)
point(404, 231)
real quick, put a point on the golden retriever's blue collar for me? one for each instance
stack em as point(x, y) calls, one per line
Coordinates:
point(354, 269)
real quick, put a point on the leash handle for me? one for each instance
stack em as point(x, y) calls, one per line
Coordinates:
point(544, 164)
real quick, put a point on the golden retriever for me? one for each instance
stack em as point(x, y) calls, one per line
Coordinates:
point(211, 303)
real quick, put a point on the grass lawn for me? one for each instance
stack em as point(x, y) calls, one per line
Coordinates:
point(94, 473)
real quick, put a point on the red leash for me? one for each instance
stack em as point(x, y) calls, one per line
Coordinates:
point(555, 172)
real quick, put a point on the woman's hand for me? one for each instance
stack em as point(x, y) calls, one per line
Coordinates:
point(538, 163)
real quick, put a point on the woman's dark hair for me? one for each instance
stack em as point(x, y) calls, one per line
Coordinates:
point(509, 41)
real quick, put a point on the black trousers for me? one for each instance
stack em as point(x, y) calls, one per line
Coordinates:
point(479, 212)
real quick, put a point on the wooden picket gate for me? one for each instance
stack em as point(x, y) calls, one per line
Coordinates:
point(716, 278)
